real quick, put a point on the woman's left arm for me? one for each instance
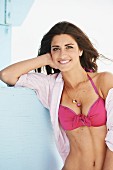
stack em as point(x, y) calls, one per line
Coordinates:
point(107, 91)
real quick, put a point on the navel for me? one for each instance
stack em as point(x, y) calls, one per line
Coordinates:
point(94, 163)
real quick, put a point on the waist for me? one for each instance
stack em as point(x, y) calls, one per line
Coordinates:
point(86, 161)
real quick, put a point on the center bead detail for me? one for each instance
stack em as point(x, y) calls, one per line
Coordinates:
point(75, 101)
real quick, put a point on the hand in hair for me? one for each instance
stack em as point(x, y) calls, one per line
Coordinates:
point(50, 61)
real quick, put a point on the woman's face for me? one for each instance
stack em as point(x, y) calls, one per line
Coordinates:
point(65, 52)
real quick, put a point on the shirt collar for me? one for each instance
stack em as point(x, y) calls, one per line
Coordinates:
point(59, 78)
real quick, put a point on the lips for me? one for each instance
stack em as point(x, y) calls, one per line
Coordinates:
point(64, 61)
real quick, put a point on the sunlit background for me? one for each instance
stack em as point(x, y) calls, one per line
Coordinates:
point(93, 17)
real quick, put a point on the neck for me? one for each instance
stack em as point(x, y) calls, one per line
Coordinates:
point(74, 78)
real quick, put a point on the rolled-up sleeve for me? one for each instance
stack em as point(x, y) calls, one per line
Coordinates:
point(109, 109)
point(38, 82)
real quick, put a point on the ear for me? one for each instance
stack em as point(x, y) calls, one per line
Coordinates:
point(81, 52)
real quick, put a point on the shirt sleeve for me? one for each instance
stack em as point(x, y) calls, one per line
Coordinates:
point(38, 82)
point(109, 109)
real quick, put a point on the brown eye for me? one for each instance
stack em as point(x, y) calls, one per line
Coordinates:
point(69, 47)
point(55, 49)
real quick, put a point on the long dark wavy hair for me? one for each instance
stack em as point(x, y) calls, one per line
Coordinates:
point(89, 56)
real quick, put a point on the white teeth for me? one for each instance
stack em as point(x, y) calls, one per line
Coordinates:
point(64, 61)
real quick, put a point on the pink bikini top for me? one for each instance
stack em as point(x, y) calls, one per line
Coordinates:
point(96, 116)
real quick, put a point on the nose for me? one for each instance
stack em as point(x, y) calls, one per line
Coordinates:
point(63, 53)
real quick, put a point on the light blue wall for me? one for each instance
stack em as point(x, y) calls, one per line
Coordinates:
point(2, 11)
point(5, 35)
point(5, 45)
point(26, 136)
point(20, 10)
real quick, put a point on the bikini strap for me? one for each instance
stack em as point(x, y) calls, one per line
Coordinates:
point(95, 88)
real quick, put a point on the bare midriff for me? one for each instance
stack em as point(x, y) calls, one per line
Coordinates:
point(87, 148)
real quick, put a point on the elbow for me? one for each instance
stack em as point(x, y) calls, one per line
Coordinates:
point(2, 75)
point(7, 78)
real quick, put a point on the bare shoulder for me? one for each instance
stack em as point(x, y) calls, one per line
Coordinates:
point(105, 82)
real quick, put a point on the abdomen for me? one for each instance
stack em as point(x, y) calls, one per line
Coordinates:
point(87, 148)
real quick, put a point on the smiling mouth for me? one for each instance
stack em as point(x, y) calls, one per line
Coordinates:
point(64, 61)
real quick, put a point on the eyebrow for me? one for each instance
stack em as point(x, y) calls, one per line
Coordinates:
point(58, 45)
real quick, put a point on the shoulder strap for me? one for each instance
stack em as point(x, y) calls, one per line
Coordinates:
point(95, 88)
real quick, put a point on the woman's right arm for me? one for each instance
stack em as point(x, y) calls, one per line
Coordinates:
point(10, 74)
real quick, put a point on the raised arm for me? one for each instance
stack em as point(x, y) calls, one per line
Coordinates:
point(10, 74)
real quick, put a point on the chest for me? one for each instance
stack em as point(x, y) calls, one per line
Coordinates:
point(85, 95)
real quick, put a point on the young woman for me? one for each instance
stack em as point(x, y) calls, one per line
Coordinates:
point(75, 94)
